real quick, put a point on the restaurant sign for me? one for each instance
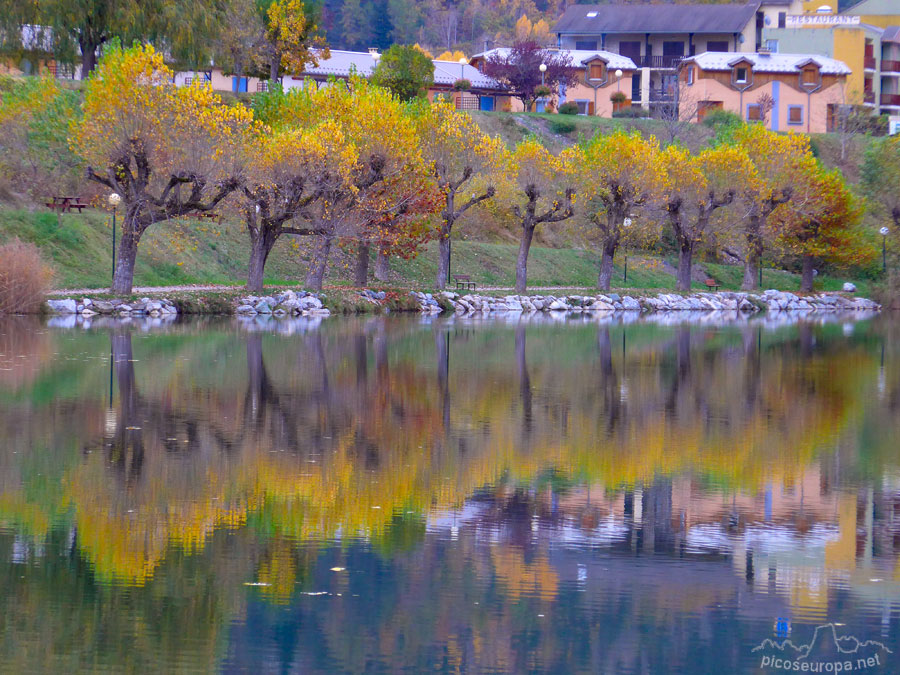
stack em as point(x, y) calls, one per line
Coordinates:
point(820, 20)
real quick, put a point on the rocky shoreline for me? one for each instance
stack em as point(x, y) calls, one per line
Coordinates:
point(290, 303)
point(664, 302)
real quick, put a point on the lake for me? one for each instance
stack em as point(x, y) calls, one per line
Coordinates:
point(403, 494)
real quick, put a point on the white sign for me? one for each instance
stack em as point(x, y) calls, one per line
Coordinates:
point(820, 20)
point(894, 126)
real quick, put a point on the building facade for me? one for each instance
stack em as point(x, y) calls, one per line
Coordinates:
point(865, 36)
point(658, 37)
point(786, 92)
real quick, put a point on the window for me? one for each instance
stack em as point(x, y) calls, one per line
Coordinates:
point(584, 107)
point(772, 46)
point(754, 112)
point(717, 46)
point(740, 75)
point(586, 45)
point(795, 114)
point(782, 19)
point(690, 75)
point(810, 76)
point(596, 71)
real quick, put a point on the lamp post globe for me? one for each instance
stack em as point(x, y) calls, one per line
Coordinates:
point(884, 231)
point(114, 200)
point(462, 66)
point(543, 69)
point(618, 78)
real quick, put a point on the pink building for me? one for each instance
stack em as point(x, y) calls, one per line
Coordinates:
point(786, 92)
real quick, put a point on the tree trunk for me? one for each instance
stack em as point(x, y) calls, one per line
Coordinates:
point(88, 48)
point(685, 262)
point(361, 272)
point(382, 268)
point(754, 255)
point(751, 275)
point(260, 247)
point(604, 279)
point(806, 281)
point(274, 64)
point(316, 274)
point(123, 279)
point(522, 260)
point(443, 257)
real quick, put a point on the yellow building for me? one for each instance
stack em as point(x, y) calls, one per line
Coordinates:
point(865, 36)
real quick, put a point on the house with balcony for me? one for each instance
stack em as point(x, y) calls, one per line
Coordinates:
point(785, 92)
point(600, 74)
point(657, 37)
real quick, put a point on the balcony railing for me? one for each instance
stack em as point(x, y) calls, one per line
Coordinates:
point(890, 66)
point(662, 94)
point(868, 96)
point(869, 62)
point(668, 62)
point(890, 99)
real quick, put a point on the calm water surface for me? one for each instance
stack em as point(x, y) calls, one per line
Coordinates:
point(404, 495)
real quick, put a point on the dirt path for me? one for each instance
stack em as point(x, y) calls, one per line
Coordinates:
point(149, 290)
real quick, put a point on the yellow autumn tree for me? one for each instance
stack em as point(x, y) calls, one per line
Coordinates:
point(167, 152)
point(287, 171)
point(618, 175)
point(464, 161)
point(542, 193)
point(695, 187)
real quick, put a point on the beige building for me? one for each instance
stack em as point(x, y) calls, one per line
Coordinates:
point(786, 92)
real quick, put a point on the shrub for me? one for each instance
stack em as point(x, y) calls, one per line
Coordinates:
point(542, 91)
point(562, 127)
point(721, 118)
point(568, 108)
point(462, 84)
point(631, 113)
point(618, 97)
point(24, 278)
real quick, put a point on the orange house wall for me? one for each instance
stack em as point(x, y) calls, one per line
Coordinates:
point(815, 108)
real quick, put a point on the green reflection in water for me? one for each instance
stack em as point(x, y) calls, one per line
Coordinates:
point(227, 456)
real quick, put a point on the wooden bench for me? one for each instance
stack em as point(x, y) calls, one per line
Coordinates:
point(63, 204)
point(712, 284)
point(464, 281)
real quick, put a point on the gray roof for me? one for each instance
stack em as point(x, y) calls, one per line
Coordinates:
point(668, 18)
point(445, 72)
point(768, 63)
point(891, 34)
point(578, 56)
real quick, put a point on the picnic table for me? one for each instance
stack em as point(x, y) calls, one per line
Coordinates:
point(64, 204)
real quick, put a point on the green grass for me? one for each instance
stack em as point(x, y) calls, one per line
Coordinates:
point(191, 252)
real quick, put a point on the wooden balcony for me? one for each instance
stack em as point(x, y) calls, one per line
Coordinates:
point(869, 63)
point(868, 96)
point(890, 99)
point(890, 66)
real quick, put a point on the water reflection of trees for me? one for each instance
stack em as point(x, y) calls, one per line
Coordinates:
point(359, 429)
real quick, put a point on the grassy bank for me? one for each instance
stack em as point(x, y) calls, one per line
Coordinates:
point(190, 252)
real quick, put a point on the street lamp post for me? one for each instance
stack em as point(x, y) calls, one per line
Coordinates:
point(462, 67)
point(114, 200)
point(618, 79)
point(543, 69)
point(884, 233)
point(626, 223)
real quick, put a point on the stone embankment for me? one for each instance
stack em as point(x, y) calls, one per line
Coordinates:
point(291, 303)
point(87, 307)
point(665, 302)
point(286, 303)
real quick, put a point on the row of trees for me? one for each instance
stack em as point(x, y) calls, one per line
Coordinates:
point(353, 166)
